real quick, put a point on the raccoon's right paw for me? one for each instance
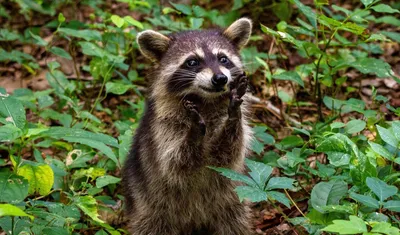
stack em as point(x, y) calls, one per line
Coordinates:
point(195, 116)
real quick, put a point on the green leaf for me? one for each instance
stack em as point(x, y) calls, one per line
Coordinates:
point(385, 228)
point(7, 35)
point(355, 126)
point(367, 2)
point(196, 23)
point(257, 146)
point(89, 206)
point(86, 34)
point(392, 35)
point(380, 188)
point(61, 18)
point(12, 110)
point(372, 65)
point(117, 88)
point(280, 183)
point(354, 226)
point(379, 149)
point(396, 129)
point(185, 9)
point(13, 188)
point(117, 20)
point(9, 132)
point(38, 39)
point(289, 76)
point(92, 49)
point(366, 200)
point(235, 176)
point(60, 52)
point(308, 12)
point(327, 193)
point(259, 172)
point(40, 177)
point(11, 210)
point(291, 142)
point(339, 149)
point(384, 9)
point(106, 180)
point(131, 21)
point(280, 197)
point(251, 193)
point(387, 135)
point(392, 205)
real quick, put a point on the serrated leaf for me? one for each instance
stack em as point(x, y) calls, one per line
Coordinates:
point(354, 126)
point(11, 210)
point(384, 9)
point(380, 188)
point(354, 226)
point(40, 177)
point(280, 183)
point(259, 172)
point(366, 200)
point(327, 193)
point(388, 136)
point(251, 193)
point(280, 197)
point(12, 110)
point(89, 206)
point(235, 176)
point(13, 188)
point(117, 20)
point(289, 76)
point(60, 52)
point(106, 180)
point(392, 205)
point(382, 151)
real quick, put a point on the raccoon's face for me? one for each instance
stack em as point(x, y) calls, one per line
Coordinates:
point(197, 62)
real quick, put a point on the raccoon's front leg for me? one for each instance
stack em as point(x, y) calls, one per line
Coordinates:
point(228, 144)
point(198, 126)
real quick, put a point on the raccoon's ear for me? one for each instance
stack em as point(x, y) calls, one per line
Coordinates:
point(152, 44)
point(239, 32)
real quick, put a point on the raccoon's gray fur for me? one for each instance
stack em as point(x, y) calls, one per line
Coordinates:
point(194, 118)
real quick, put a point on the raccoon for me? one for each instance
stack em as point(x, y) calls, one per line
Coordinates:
point(195, 117)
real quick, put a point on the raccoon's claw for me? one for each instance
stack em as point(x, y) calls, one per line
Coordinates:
point(234, 111)
point(195, 115)
point(240, 85)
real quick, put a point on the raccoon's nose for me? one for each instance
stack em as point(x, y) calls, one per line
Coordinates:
point(219, 80)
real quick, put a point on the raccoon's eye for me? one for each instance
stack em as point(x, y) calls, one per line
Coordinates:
point(223, 60)
point(192, 63)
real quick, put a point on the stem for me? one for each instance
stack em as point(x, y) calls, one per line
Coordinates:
point(294, 203)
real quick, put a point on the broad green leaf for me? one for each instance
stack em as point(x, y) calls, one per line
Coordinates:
point(12, 110)
point(385, 228)
point(124, 145)
point(388, 136)
point(382, 151)
point(339, 149)
point(291, 141)
point(11, 210)
point(106, 180)
point(89, 206)
point(327, 193)
point(355, 126)
point(117, 20)
point(257, 146)
point(13, 188)
point(289, 76)
point(366, 200)
point(392, 205)
point(259, 172)
point(7, 35)
point(117, 88)
point(380, 188)
point(92, 49)
point(388, 20)
point(86, 34)
point(280, 197)
point(354, 226)
point(235, 176)
point(384, 9)
point(40, 177)
point(372, 65)
point(185, 9)
point(60, 52)
point(9, 132)
point(280, 183)
point(392, 35)
point(396, 129)
point(39, 40)
point(251, 193)
point(131, 21)
point(196, 23)
point(62, 132)
point(308, 12)
point(367, 2)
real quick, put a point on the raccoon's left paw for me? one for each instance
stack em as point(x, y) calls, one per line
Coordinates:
point(195, 116)
point(239, 86)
